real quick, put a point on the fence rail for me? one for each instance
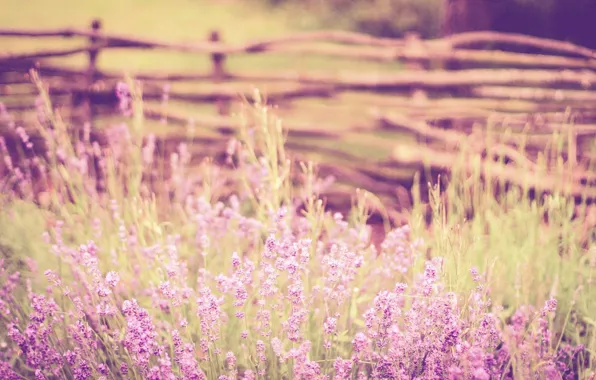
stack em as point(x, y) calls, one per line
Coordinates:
point(525, 82)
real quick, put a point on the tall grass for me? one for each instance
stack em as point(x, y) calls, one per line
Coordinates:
point(223, 277)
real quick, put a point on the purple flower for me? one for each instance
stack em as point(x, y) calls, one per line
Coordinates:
point(270, 245)
point(103, 369)
point(235, 260)
point(330, 325)
point(475, 274)
point(140, 334)
point(6, 371)
point(360, 343)
point(184, 356)
point(125, 98)
point(260, 348)
point(551, 305)
point(277, 347)
point(112, 279)
point(124, 369)
point(209, 313)
point(231, 364)
point(70, 357)
point(82, 371)
point(39, 375)
point(249, 375)
point(343, 368)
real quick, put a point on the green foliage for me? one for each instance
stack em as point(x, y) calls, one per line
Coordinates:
point(395, 17)
point(558, 19)
point(390, 18)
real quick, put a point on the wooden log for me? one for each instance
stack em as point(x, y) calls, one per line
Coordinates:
point(227, 125)
point(46, 70)
point(346, 80)
point(540, 181)
point(444, 79)
point(453, 139)
point(513, 60)
point(459, 104)
point(428, 54)
point(475, 38)
point(343, 37)
point(438, 79)
point(356, 177)
point(504, 146)
point(534, 94)
point(415, 47)
point(223, 92)
point(105, 90)
point(49, 53)
point(456, 41)
point(533, 121)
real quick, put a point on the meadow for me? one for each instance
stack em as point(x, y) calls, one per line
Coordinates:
point(236, 270)
point(240, 273)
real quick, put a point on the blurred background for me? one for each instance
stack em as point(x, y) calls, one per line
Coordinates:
point(570, 20)
point(329, 119)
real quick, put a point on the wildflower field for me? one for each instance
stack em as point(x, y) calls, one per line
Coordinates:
point(242, 274)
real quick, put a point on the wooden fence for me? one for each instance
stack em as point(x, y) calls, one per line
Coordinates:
point(442, 90)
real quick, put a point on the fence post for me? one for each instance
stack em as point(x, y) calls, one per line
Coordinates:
point(415, 47)
point(218, 73)
point(91, 73)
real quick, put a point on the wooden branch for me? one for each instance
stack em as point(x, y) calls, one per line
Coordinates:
point(62, 32)
point(384, 50)
point(475, 38)
point(118, 41)
point(534, 94)
point(326, 86)
point(10, 57)
point(512, 106)
point(346, 80)
point(46, 69)
point(357, 177)
point(541, 181)
point(438, 79)
point(457, 141)
point(456, 41)
point(343, 37)
point(218, 92)
point(497, 57)
point(173, 77)
point(442, 79)
point(227, 93)
point(453, 139)
point(334, 152)
point(447, 112)
point(367, 54)
point(227, 125)
point(419, 129)
point(213, 93)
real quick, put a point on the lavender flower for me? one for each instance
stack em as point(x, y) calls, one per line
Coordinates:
point(125, 98)
point(140, 334)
